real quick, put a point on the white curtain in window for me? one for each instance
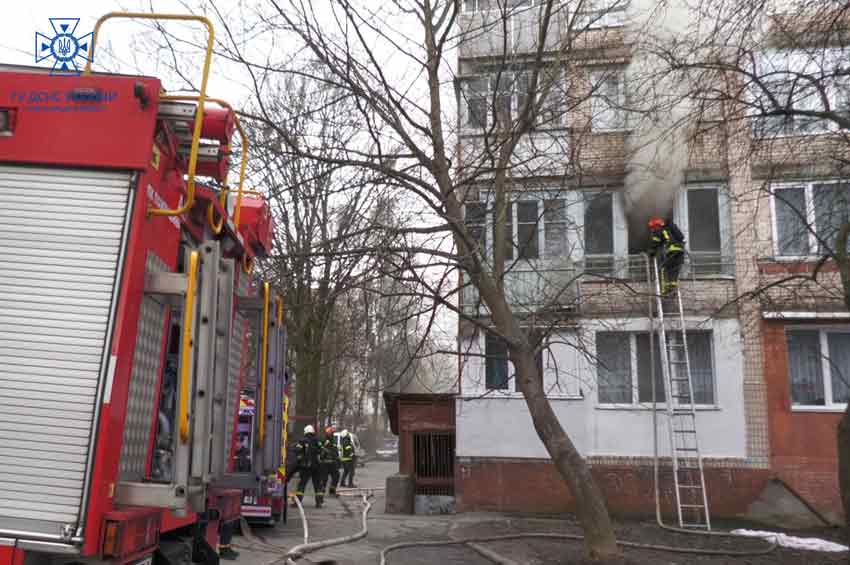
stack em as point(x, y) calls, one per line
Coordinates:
point(839, 366)
point(804, 367)
point(702, 367)
point(613, 359)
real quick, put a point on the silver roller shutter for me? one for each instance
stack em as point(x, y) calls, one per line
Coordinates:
point(61, 237)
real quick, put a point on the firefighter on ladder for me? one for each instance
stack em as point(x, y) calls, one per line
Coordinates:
point(307, 459)
point(668, 243)
point(329, 461)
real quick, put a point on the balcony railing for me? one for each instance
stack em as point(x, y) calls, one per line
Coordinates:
point(531, 289)
point(697, 265)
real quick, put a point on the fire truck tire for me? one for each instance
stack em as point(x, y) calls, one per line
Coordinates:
point(173, 552)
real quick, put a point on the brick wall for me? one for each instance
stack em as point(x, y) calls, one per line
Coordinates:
point(803, 451)
point(517, 485)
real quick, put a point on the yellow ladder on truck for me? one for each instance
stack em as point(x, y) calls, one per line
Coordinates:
point(688, 476)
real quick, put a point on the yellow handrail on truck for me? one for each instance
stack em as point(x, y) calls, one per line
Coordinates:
point(202, 97)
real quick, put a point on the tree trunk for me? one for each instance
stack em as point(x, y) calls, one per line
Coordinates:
point(599, 540)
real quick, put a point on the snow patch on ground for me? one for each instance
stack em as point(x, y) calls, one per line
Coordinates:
point(811, 544)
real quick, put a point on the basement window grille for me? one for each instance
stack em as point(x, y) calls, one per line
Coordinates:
point(433, 459)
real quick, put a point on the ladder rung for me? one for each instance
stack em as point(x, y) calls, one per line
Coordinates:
point(680, 431)
point(700, 506)
point(694, 487)
point(687, 449)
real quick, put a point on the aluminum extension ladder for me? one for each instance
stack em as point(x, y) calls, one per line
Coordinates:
point(688, 475)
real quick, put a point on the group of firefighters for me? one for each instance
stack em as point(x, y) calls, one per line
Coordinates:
point(318, 461)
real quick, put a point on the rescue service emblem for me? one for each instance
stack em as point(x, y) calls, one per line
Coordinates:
point(65, 48)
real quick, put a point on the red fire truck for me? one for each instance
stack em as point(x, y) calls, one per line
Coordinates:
point(130, 320)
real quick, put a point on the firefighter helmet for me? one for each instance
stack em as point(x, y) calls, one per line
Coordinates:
point(308, 429)
point(344, 433)
point(656, 223)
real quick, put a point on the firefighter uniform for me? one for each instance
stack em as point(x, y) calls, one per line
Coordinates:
point(667, 241)
point(347, 459)
point(307, 460)
point(329, 463)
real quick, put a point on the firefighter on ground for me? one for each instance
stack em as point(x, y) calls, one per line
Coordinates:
point(348, 460)
point(329, 461)
point(668, 243)
point(307, 462)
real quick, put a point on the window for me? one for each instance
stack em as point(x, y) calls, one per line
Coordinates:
point(527, 220)
point(503, 94)
point(500, 95)
point(703, 236)
point(797, 80)
point(496, 366)
point(621, 355)
point(601, 13)
point(555, 228)
point(808, 216)
point(608, 100)
point(818, 366)
point(644, 369)
point(599, 233)
point(476, 224)
point(484, 5)
point(536, 218)
point(614, 373)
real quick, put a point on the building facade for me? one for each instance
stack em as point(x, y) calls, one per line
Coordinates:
point(769, 346)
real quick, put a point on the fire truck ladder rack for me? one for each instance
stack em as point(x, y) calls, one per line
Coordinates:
point(200, 444)
point(688, 477)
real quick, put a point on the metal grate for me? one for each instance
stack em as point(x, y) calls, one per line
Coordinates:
point(234, 377)
point(144, 379)
point(433, 461)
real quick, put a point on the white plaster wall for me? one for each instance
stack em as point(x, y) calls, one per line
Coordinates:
point(497, 423)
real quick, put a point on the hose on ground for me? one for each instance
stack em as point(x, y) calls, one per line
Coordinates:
point(303, 519)
point(574, 537)
point(300, 550)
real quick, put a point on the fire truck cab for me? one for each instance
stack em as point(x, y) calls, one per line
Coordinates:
point(130, 320)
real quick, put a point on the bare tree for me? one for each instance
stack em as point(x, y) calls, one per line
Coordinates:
point(406, 138)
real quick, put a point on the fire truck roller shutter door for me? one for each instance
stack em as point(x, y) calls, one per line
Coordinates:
point(62, 233)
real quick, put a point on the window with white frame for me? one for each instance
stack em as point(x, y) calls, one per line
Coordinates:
point(498, 371)
point(799, 80)
point(502, 95)
point(819, 366)
point(497, 96)
point(599, 232)
point(622, 355)
point(706, 226)
point(594, 14)
point(471, 6)
point(807, 217)
point(535, 226)
point(608, 100)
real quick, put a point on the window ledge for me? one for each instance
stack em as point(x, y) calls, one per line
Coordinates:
point(832, 409)
point(493, 394)
point(660, 408)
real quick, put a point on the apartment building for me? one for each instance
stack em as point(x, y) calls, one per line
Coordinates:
point(769, 347)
